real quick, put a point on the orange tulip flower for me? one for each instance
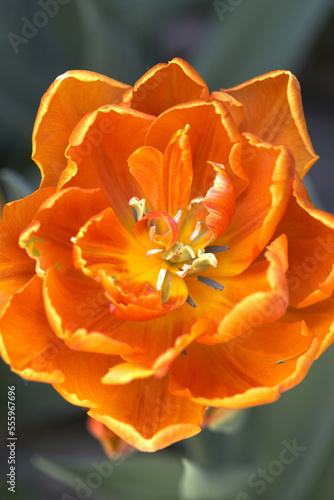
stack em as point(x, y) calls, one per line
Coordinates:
point(171, 260)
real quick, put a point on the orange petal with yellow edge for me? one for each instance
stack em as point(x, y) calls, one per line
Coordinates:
point(261, 206)
point(70, 97)
point(36, 353)
point(158, 359)
point(148, 417)
point(235, 107)
point(99, 158)
point(16, 267)
point(165, 179)
point(212, 133)
point(319, 320)
point(274, 111)
point(220, 202)
point(258, 295)
point(310, 233)
point(249, 371)
point(48, 238)
point(79, 314)
point(164, 86)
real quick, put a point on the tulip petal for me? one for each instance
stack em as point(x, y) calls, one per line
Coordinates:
point(260, 207)
point(212, 133)
point(258, 295)
point(36, 353)
point(70, 97)
point(16, 267)
point(79, 314)
point(164, 86)
point(220, 202)
point(319, 320)
point(274, 112)
point(271, 359)
point(311, 249)
point(165, 179)
point(97, 160)
point(177, 332)
point(104, 250)
point(148, 417)
point(235, 107)
point(49, 238)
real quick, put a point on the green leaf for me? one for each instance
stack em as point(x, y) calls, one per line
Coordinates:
point(223, 483)
point(231, 423)
point(14, 185)
point(143, 477)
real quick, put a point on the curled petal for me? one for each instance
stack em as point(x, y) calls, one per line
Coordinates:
point(79, 314)
point(235, 107)
point(36, 353)
point(164, 86)
point(220, 202)
point(261, 206)
point(257, 296)
point(148, 417)
point(310, 234)
point(16, 267)
point(165, 230)
point(97, 160)
point(254, 369)
point(165, 179)
point(212, 133)
point(70, 97)
point(49, 238)
point(274, 111)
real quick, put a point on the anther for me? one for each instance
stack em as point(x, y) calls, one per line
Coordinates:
point(190, 301)
point(216, 249)
point(210, 282)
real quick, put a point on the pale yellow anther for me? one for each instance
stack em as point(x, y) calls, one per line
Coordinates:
point(139, 206)
point(201, 264)
point(179, 253)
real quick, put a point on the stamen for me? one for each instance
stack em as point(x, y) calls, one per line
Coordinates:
point(183, 272)
point(210, 282)
point(139, 208)
point(177, 217)
point(152, 232)
point(149, 253)
point(190, 301)
point(216, 249)
point(197, 230)
point(166, 287)
point(161, 278)
point(179, 253)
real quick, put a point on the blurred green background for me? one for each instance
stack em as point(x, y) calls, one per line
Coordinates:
point(228, 42)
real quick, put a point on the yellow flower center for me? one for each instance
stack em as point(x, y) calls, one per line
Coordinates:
point(158, 232)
